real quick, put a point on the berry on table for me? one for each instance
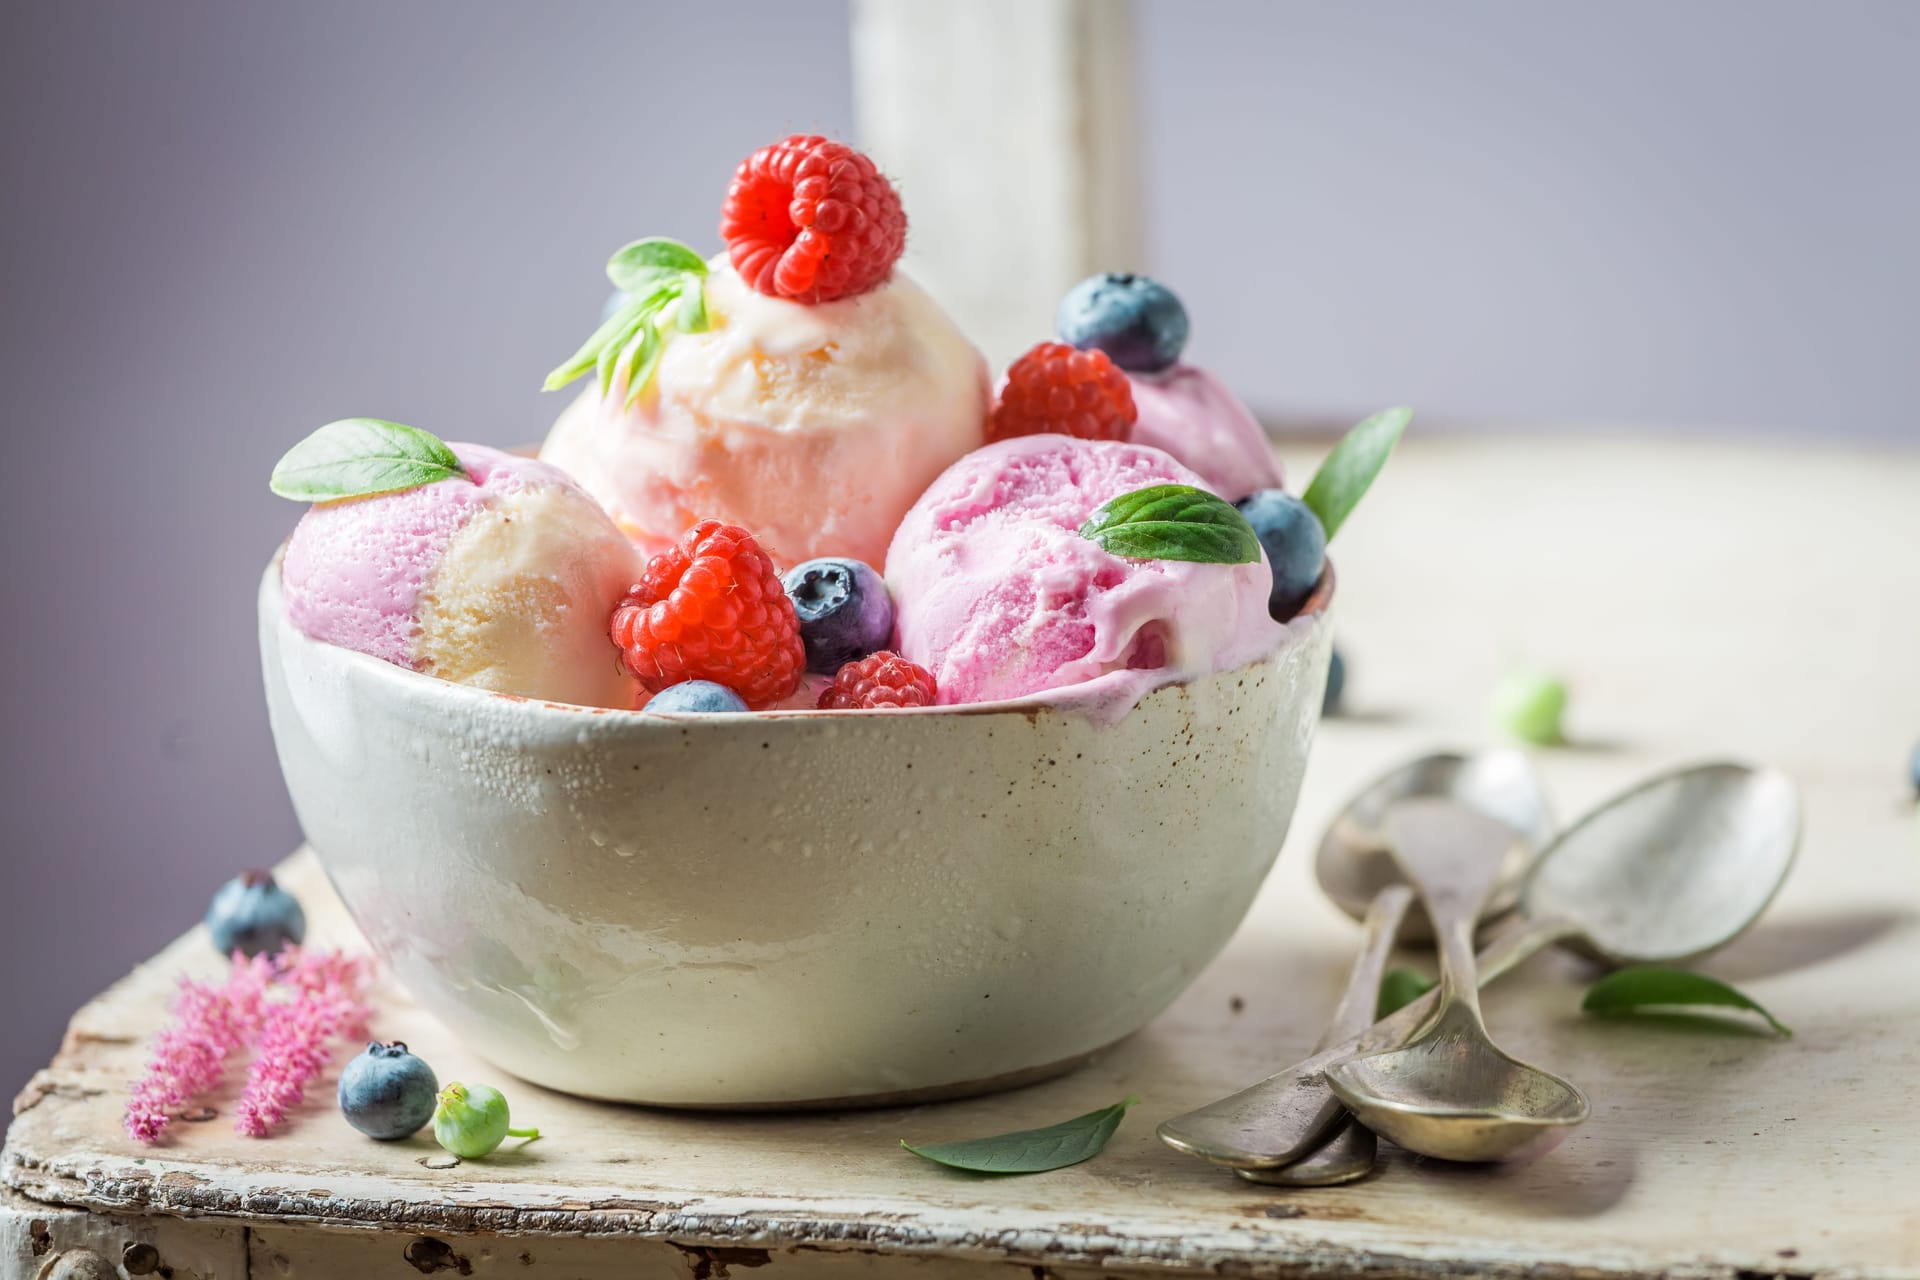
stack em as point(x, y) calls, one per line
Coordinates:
point(1913, 768)
point(1138, 322)
point(844, 610)
point(1295, 543)
point(1336, 685)
point(253, 915)
point(387, 1093)
point(711, 607)
point(1059, 389)
point(471, 1120)
point(812, 220)
point(696, 697)
point(883, 679)
point(1530, 705)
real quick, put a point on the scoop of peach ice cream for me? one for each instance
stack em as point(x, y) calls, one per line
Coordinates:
point(813, 426)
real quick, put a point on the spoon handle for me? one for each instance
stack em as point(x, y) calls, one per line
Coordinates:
point(1355, 1011)
point(1349, 1153)
point(1291, 1112)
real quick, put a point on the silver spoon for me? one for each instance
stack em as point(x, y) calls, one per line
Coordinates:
point(1354, 861)
point(1451, 1092)
point(1349, 1154)
point(1701, 850)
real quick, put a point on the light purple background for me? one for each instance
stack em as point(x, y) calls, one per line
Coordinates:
point(224, 224)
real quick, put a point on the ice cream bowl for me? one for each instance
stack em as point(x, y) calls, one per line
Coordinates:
point(792, 908)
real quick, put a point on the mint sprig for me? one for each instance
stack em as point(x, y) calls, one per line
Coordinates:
point(1649, 986)
point(1031, 1150)
point(1343, 478)
point(656, 274)
point(1173, 522)
point(358, 457)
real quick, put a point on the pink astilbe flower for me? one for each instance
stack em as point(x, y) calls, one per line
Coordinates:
point(190, 1054)
point(324, 999)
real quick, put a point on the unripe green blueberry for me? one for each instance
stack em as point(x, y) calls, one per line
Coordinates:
point(471, 1120)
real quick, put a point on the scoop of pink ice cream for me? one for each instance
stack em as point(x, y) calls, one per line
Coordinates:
point(1190, 414)
point(998, 595)
point(503, 578)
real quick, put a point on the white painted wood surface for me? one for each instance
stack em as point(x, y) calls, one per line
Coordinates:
point(1009, 126)
point(1704, 600)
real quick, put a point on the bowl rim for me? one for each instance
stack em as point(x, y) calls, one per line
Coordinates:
point(1312, 615)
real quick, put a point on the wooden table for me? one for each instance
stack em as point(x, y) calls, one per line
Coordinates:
point(1704, 600)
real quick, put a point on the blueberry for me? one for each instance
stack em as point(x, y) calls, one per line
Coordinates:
point(387, 1093)
point(845, 611)
point(251, 914)
point(700, 696)
point(1336, 685)
point(1296, 547)
point(1138, 322)
point(1913, 768)
point(470, 1120)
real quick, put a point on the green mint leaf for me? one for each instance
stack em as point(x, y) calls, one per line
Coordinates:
point(643, 359)
point(1031, 1150)
point(691, 315)
point(1173, 522)
point(1651, 986)
point(1343, 478)
point(355, 457)
point(637, 267)
point(655, 274)
point(1400, 988)
point(588, 356)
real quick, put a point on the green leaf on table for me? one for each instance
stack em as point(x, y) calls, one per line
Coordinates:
point(356, 457)
point(654, 274)
point(1400, 988)
point(1652, 986)
point(1344, 477)
point(1173, 522)
point(1031, 1150)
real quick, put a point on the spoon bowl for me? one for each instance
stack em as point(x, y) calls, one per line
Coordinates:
point(1673, 868)
point(1455, 1095)
point(1354, 861)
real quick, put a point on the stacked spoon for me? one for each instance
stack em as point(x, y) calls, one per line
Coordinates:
point(1666, 871)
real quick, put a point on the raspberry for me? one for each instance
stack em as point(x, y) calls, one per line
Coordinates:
point(1055, 388)
point(712, 608)
point(812, 220)
point(882, 679)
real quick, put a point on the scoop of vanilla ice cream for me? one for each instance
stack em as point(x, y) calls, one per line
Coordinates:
point(503, 578)
point(814, 427)
point(522, 598)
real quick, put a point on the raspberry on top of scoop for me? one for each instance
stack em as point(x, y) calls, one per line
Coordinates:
point(1055, 388)
point(812, 220)
point(883, 679)
point(711, 607)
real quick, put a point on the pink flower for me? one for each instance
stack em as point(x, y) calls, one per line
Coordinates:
point(325, 999)
point(190, 1055)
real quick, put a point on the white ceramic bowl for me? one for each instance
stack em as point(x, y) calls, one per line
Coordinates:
point(794, 908)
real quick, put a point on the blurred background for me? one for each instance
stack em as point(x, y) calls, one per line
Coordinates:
point(225, 223)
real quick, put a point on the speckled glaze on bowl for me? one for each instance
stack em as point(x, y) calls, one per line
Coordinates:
point(794, 908)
